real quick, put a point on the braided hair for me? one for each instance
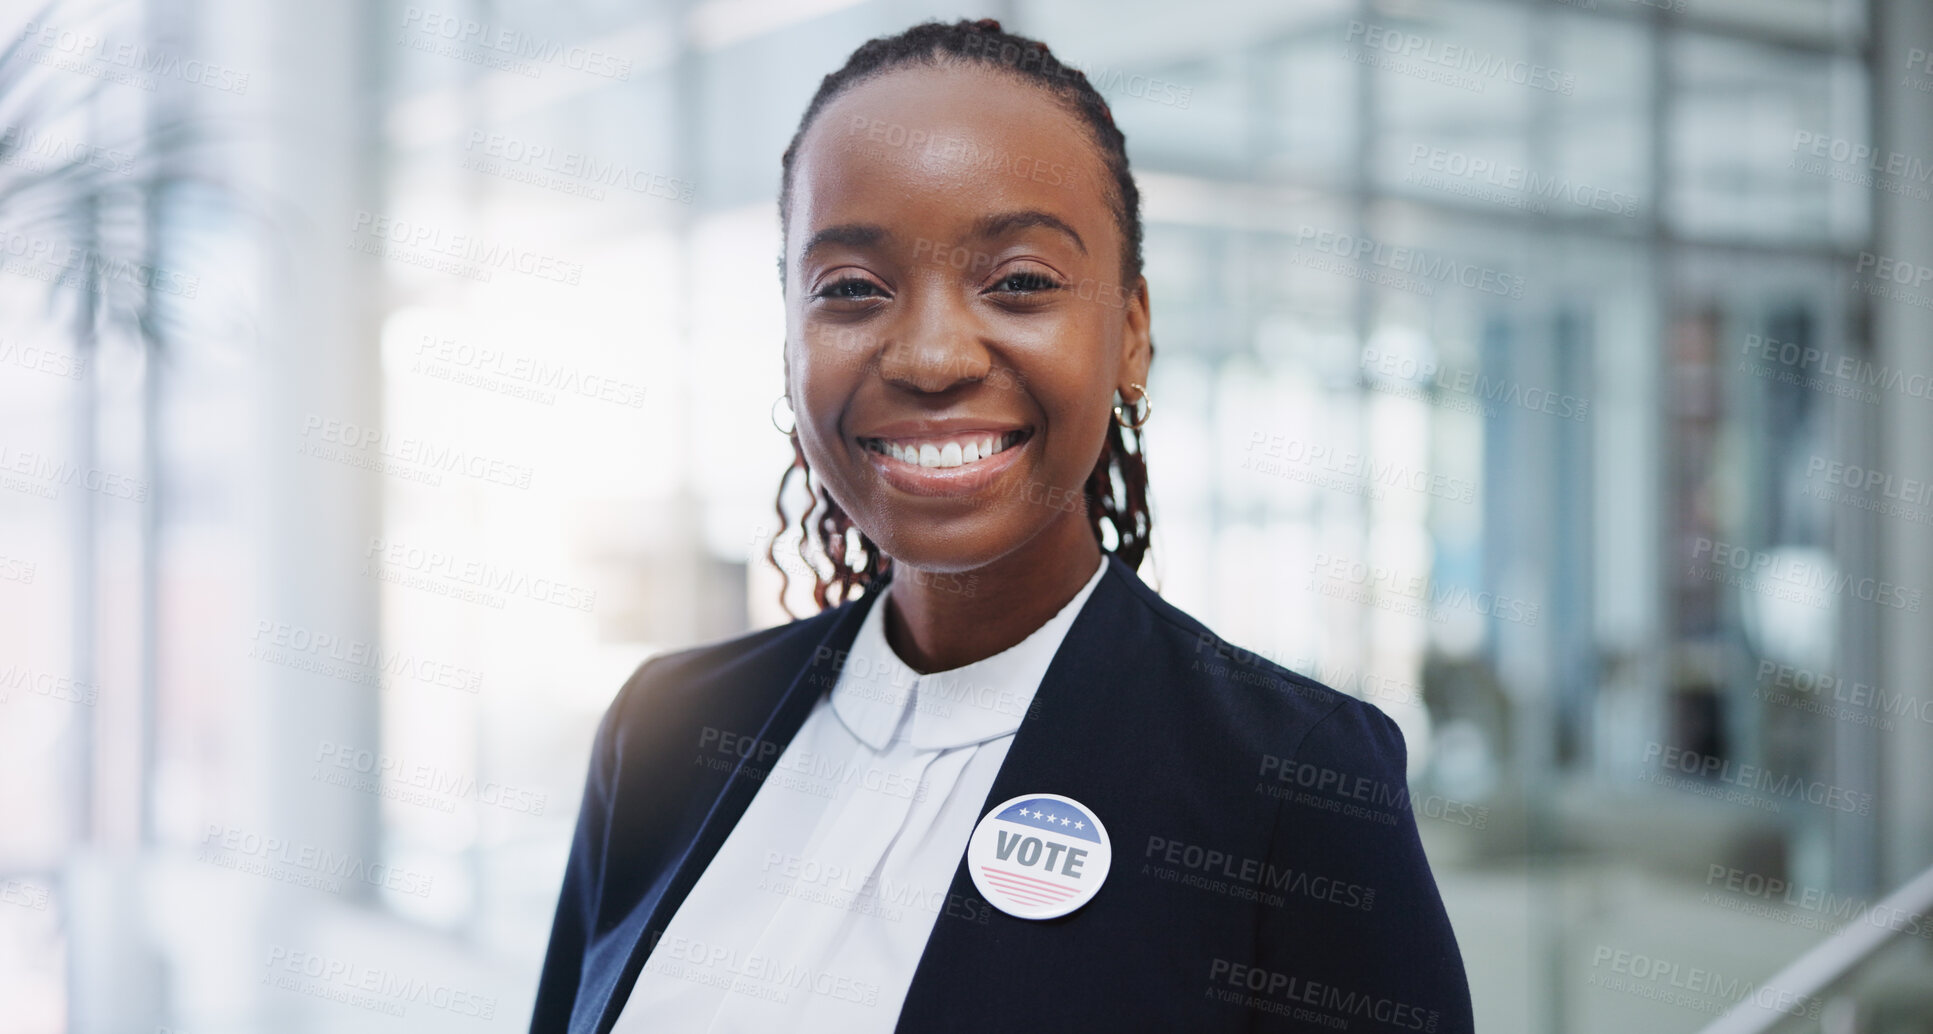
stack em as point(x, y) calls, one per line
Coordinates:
point(1116, 491)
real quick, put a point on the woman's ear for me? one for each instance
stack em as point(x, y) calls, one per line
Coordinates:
point(1137, 347)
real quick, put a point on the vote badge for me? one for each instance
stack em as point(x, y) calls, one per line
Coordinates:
point(1039, 855)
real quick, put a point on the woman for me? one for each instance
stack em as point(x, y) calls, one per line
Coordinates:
point(997, 783)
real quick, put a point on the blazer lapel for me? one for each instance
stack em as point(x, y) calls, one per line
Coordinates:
point(1083, 713)
point(654, 913)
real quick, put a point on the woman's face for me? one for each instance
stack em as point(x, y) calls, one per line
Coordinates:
point(955, 325)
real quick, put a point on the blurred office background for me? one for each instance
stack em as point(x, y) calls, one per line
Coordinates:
point(1553, 375)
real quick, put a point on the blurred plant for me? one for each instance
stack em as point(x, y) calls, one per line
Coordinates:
point(96, 176)
point(108, 196)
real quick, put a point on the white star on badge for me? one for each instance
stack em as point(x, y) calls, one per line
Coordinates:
point(1080, 825)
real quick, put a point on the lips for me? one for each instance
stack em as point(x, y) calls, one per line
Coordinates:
point(921, 458)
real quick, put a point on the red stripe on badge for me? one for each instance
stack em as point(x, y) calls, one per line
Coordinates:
point(1032, 879)
point(1017, 884)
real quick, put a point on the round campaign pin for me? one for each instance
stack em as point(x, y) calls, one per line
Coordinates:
point(1039, 855)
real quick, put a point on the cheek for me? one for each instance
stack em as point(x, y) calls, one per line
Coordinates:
point(818, 425)
point(822, 386)
point(1082, 439)
point(834, 468)
point(831, 343)
point(1073, 384)
point(822, 377)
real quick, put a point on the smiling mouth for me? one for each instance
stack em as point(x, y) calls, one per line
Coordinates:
point(959, 450)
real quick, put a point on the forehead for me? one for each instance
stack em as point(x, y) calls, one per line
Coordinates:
point(952, 140)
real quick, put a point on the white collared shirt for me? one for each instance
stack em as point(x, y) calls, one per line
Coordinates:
point(814, 913)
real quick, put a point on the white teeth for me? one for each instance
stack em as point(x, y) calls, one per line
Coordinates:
point(948, 454)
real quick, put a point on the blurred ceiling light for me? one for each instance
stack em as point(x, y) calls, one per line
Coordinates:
point(1794, 623)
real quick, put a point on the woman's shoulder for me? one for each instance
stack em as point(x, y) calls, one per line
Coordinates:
point(746, 648)
point(1262, 697)
point(759, 662)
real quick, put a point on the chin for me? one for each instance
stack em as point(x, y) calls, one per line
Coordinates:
point(940, 552)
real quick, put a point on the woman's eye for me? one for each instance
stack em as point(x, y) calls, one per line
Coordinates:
point(849, 288)
point(1021, 283)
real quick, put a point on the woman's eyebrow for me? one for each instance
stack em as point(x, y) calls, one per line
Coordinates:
point(864, 235)
point(1002, 222)
point(857, 235)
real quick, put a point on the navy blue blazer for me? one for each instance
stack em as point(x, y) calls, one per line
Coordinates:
point(1267, 873)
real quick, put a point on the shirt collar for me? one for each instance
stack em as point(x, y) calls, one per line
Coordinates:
point(969, 704)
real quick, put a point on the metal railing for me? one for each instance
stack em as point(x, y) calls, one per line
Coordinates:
point(1828, 962)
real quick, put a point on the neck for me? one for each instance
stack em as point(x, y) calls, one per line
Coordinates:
point(941, 621)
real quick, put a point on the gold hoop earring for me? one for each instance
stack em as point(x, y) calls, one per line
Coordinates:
point(787, 431)
point(1144, 409)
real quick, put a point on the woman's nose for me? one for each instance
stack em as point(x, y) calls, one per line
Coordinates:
point(936, 346)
